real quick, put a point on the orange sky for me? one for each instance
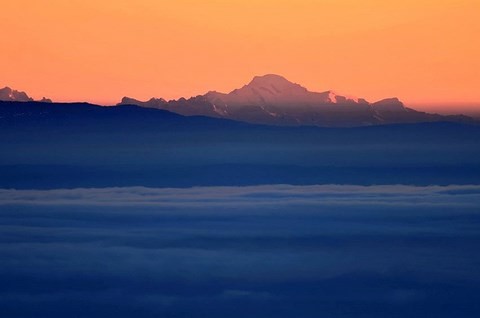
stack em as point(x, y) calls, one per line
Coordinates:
point(422, 51)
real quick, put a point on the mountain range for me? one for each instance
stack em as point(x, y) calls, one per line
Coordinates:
point(274, 100)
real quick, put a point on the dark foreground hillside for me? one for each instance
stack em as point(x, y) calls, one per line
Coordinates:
point(81, 145)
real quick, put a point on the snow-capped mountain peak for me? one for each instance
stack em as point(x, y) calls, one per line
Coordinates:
point(276, 91)
point(274, 84)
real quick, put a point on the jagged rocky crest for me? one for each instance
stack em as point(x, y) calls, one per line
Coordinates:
point(11, 95)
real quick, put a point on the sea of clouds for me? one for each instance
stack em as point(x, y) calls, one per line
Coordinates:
point(259, 251)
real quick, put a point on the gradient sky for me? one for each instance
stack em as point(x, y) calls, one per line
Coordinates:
point(423, 51)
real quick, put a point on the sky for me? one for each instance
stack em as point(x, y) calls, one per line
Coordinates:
point(423, 51)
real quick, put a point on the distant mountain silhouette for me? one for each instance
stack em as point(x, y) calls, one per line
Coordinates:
point(273, 100)
point(11, 95)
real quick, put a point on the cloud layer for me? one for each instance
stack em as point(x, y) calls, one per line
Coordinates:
point(249, 195)
point(263, 251)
